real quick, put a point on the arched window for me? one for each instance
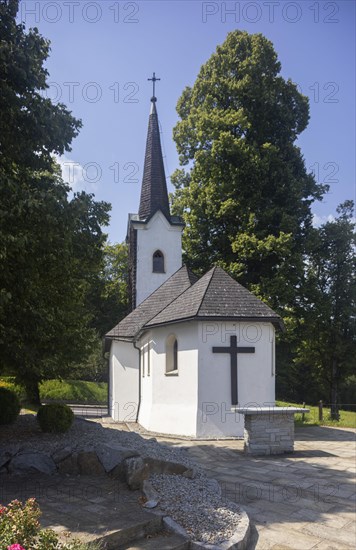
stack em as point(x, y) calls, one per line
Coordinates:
point(172, 355)
point(158, 262)
point(175, 355)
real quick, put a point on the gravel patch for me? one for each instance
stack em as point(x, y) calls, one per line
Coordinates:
point(196, 505)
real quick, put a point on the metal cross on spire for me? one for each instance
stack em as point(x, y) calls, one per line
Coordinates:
point(154, 80)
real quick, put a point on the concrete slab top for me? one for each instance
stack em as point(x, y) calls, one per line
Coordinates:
point(269, 410)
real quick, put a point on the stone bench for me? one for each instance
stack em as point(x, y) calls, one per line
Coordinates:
point(269, 430)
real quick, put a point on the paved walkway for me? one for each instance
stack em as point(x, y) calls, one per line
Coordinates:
point(295, 502)
point(87, 507)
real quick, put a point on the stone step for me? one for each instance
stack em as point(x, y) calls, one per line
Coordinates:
point(163, 540)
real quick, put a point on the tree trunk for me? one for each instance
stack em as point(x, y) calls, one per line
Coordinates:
point(334, 410)
point(32, 392)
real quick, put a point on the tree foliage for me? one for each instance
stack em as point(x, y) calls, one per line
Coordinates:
point(327, 345)
point(32, 128)
point(51, 246)
point(109, 295)
point(245, 195)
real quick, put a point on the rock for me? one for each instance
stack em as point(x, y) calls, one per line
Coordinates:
point(135, 471)
point(69, 465)
point(61, 454)
point(151, 494)
point(4, 458)
point(112, 455)
point(151, 504)
point(190, 473)
point(157, 466)
point(89, 464)
point(31, 462)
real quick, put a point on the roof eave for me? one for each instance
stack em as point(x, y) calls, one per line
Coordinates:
point(275, 321)
point(169, 219)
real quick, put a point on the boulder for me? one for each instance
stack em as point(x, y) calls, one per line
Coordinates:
point(135, 471)
point(89, 464)
point(113, 455)
point(69, 465)
point(5, 456)
point(157, 466)
point(62, 454)
point(151, 495)
point(32, 462)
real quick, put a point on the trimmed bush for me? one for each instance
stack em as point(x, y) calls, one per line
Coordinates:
point(9, 406)
point(55, 417)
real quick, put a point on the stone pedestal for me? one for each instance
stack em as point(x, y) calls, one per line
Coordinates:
point(269, 430)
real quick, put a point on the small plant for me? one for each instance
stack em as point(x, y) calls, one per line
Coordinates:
point(20, 530)
point(55, 417)
point(9, 406)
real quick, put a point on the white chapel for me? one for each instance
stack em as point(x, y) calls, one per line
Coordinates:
point(191, 347)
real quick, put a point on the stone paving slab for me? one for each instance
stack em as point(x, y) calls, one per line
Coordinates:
point(299, 501)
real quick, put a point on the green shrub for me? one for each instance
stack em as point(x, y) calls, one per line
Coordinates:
point(10, 383)
point(55, 417)
point(9, 406)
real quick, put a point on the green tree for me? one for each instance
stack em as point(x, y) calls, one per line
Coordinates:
point(50, 246)
point(327, 343)
point(245, 195)
point(108, 301)
point(109, 296)
point(32, 128)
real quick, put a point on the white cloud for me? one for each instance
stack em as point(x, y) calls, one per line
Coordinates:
point(320, 220)
point(80, 178)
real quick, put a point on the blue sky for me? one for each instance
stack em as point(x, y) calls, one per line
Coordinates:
point(103, 52)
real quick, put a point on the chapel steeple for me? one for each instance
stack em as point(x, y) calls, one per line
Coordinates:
point(154, 195)
point(154, 236)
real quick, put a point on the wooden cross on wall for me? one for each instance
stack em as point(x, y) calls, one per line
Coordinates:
point(233, 350)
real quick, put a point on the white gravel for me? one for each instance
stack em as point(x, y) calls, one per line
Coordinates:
point(195, 504)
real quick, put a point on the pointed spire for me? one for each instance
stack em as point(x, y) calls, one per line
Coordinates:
point(154, 195)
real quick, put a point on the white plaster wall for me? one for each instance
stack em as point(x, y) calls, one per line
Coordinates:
point(256, 375)
point(124, 381)
point(171, 407)
point(157, 234)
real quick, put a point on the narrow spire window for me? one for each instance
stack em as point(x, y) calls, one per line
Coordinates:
point(158, 262)
point(175, 355)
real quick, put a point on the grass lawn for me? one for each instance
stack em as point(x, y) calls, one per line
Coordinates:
point(74, 391)
point(70, 391)
point(347, 418)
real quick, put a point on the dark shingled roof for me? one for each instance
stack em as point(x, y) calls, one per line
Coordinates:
point(216, 296)
point(154, 194)
point(154, 304)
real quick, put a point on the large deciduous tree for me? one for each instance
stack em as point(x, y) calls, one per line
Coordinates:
point(32, 128)
point(51, 246)
point(245, 195)
point(109, 295)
